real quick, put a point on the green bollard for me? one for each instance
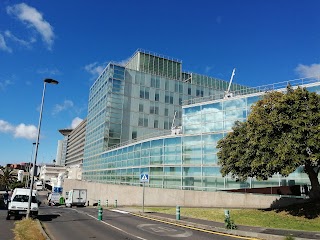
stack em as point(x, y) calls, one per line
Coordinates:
point(178, 213)
point(100, 213)
point(99, 203)
point(107, 202)
point(116, 203)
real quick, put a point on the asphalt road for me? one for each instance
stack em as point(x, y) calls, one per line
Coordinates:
point(81, 223)
point(6, 226)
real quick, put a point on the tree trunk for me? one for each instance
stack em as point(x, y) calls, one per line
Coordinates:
point(315, 186)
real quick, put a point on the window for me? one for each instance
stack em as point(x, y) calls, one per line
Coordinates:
point(157, 96)
point(140, 107)
point(144, 92)
point(189, 90)
point(134, 135)
point(145, 122)
point(153, 81)
point(156, 124)
point(166, 98)
point(140, 122)
point(166, 112)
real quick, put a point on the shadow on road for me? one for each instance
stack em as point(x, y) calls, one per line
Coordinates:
point(47, 217)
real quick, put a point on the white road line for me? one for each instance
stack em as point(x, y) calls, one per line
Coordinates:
point(119, 211)
point(110, 225)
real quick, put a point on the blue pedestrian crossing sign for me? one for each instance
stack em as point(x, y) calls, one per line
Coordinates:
point(144, 177)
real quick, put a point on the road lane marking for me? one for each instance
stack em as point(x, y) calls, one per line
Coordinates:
point(110, 225)
point(119, 211)
point(194, 228)
point(165, 231)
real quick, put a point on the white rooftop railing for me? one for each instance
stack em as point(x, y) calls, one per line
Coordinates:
point(250, 90)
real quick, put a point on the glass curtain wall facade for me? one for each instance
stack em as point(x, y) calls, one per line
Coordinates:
point(139, 100)
point(187, 161)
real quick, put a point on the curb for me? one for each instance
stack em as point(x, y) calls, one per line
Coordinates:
point(43, 232)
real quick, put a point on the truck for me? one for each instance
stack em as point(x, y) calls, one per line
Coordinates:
point(18, 204)
point(76, 197)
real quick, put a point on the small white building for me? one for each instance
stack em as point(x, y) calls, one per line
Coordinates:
point(50, 172)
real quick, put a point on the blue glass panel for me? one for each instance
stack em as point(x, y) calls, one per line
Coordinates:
point(190, 140)
point(172, 171)
point(192, 129)
point(211, 171)
point(213, 107)
point(191, 110)
point(315, 89)
point(172, 159)
point(191, 171)
point(212, 127)
point(157, 143)
point(233, 114)
point(212, 138)
point(145, 145)
point(172, 141)
point(252, 100)
point(234, 104)
point(210, 159)
point(191, 159)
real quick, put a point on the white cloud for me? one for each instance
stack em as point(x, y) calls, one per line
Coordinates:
point(124, 62)
point(25, 131)
point(49, 71)
point(5, 126)
point(20, 131)
point(95, 69)
point(308, 71)
point(75, 122)
point(9, 35)
point(207, 69)
point(3, 45)
point(4, 84)
point(61, 107)
point(34, 20)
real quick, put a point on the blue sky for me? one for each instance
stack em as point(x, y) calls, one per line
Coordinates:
point(72, 41)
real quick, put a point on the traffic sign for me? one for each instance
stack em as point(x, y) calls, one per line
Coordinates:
point(144, 177)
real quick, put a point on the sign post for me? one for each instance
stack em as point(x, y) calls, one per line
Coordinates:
point(143, 179)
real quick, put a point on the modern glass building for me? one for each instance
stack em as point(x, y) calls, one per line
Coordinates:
point(138, 100)
point(131, 111)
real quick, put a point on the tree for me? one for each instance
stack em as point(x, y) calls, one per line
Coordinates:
point(7, 177)
point(281, 134)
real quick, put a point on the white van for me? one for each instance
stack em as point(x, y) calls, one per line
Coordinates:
point(39, 185)
point(18, 204)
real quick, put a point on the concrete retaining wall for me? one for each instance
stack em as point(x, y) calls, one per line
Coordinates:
point(133, 196)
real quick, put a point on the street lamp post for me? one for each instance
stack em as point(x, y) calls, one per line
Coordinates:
point(52, 81)
point(29, 167)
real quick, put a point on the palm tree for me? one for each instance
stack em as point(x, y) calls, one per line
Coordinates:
point(7, 177)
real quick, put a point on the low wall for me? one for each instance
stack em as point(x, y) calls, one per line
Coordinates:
point(133, 196)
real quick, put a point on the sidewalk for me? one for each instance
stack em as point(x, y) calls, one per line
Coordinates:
point(245, 231)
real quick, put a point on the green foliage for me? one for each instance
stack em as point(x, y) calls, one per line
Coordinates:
point(280, 134)
point(7, 177)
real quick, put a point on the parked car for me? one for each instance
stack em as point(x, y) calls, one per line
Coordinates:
point(18, 204)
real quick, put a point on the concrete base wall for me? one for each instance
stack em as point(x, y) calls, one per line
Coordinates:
point(133, 196)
